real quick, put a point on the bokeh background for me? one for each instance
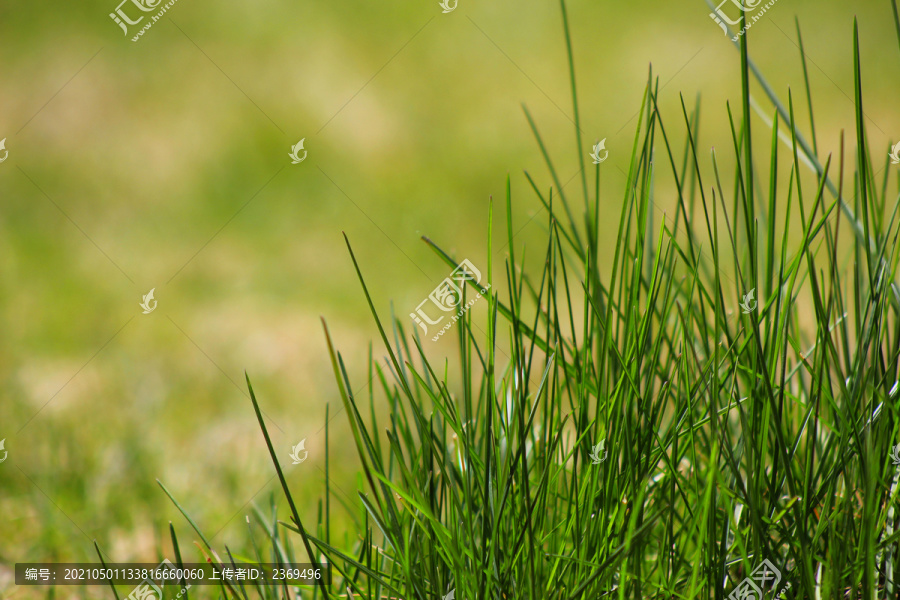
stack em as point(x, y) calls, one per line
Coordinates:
point(164, 164)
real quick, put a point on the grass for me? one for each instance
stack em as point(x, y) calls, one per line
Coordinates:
point(732, 436)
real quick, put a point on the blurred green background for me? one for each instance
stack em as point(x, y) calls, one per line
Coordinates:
point(164, 164)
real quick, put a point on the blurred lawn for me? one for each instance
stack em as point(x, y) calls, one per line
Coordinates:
point(163, 164)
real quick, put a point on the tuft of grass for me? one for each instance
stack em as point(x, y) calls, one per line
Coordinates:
point(733, 437)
